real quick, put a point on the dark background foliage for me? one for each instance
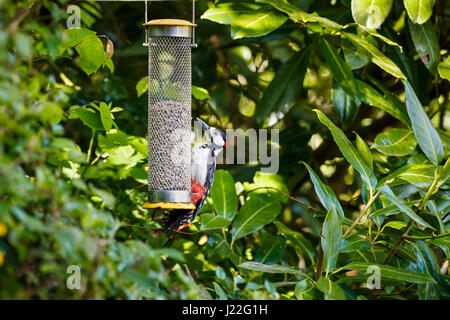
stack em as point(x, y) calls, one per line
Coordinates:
point(360, 95)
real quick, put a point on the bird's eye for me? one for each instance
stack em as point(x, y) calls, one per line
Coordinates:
point(205, 146)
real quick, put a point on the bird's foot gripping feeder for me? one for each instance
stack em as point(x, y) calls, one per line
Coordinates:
point(169, 44)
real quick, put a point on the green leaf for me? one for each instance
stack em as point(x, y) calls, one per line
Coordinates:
point(444, 69)
point(109, 63)
point(389, 104)
point(387, 192)
point(90, 118)
point(325, 194)
point(349, 152)
point(225, 13)
point(425, 133)
point(284, 90)
point(398, 225)
point(331, 290)
point(223, 194)
point(200, 93)
point(263, 182)
point(345, 105)
point(171, 253)
point(419, 11)
point(426, 43)
point(142, 86)
point(371, 13)
point(220, 292)
point(106, 116)
point(92, 54)
point(395, 142)
point(377, 56)
point(273, 268)
point(271, 249)
point(353, 244)
point(257, 23)
point(354, 56)
point(364, 150)
point(341, 71)
point(331, 240)
point(212, 221)
point(255, 213)
point(421, 175)
point(298, 241)
point(392, 273)
point(298, 15)
point(76, 35)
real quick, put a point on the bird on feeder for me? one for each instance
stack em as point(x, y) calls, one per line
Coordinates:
point(204, 157)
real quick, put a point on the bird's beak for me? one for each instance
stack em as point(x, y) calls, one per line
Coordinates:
point(204, 125)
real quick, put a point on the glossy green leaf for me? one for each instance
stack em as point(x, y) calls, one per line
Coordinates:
point(341, 71)
point(305, 290)
point(386, 103)
point(419, 11)
point(420, 175)
point(223, 194)
point(90, 118)
point(325, 194)
point(225, 13)
point(392, 273)
point(364, 150)
point(298, 241)
point(92, 54)
point(426, 43)
point(200, 93)
point(212, 221)
point(377, 56)
point(354, 56)
point(395, 142)
point(398, 225)
point(425, 133)
point(349, 151)
point(331, 240)
point(331, 290)
point(444, 68)
point(273, 268)
point(106, 116)
point(354, 243)
point(258, 211)
point(284, 90)
point(271, 250)
point(256, 23)
point(142, 86)
point(298, 15)
point(76, 35)
point(387, 192)
point(371, 13)
point(345, 105)
point(270, 184)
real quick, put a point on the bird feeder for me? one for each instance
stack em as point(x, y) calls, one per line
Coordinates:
point(169, 43)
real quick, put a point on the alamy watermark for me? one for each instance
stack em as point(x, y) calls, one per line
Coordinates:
point(74, 19)
point(374, 280)
point(74, 280)
point(249, 146)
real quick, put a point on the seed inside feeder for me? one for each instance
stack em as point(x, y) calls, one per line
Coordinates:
point(169, 133)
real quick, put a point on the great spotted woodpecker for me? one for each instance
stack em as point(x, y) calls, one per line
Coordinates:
point(203, 168)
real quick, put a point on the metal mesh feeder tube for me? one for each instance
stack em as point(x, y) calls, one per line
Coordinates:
point(169, 113)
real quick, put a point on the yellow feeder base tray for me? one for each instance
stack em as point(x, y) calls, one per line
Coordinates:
point(169, 205)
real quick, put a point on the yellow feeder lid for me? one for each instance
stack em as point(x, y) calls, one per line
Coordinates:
point(170, 22)
point(169, 205)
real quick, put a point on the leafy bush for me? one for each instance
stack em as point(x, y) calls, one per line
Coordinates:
point(359, 91)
